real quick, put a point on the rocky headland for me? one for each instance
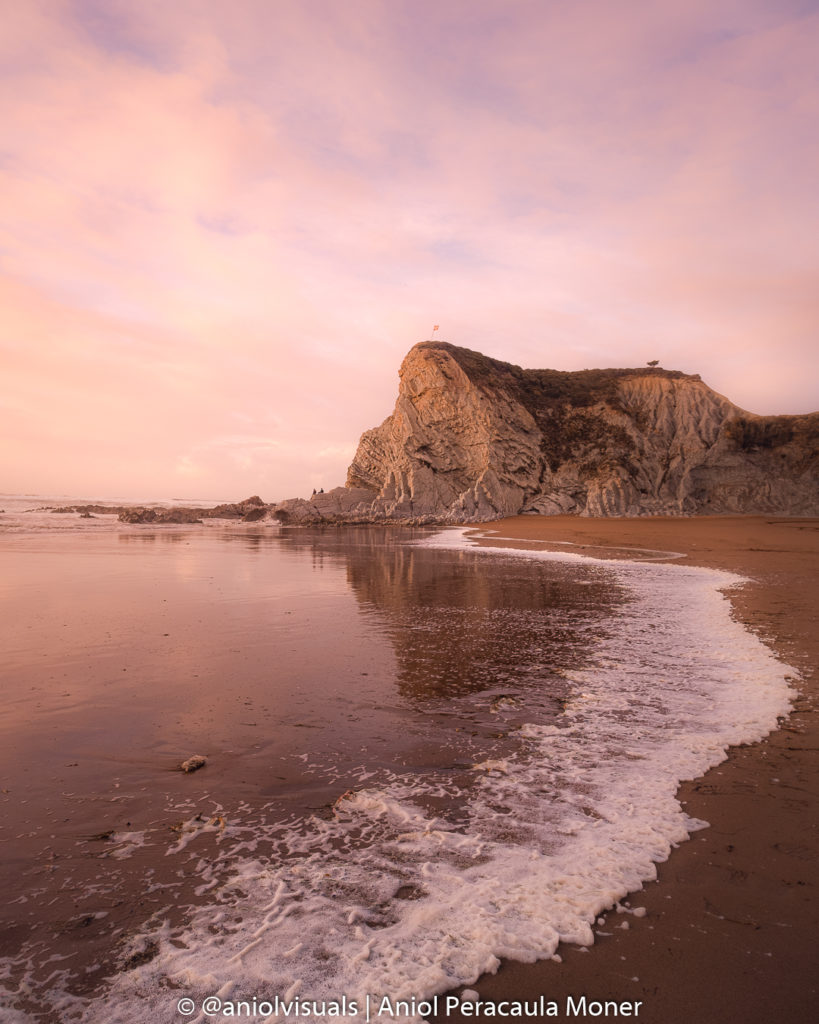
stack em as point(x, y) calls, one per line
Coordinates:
point(473, 439)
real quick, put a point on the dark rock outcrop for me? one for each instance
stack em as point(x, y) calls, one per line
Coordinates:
point(236, 510)
point(158, 516)
point(250, 510)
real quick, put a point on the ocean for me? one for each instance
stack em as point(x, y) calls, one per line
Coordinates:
point(422, 756)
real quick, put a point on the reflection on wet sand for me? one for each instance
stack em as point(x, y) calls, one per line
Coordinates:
point(299, 661)
point(167, 536)
point(460, 624)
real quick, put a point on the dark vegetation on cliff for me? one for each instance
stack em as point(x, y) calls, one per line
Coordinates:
point(539, 389)
point(763, 433)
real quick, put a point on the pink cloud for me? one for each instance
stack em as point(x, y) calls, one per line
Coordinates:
point(240, 218)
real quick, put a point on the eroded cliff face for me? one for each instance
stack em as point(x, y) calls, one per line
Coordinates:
point(474, 439)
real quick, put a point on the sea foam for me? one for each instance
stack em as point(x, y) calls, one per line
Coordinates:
point(383, 898)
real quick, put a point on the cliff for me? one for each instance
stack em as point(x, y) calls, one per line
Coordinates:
point(472, 439)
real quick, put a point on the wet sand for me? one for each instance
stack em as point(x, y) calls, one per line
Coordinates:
point(292, 663)
point(729, 931)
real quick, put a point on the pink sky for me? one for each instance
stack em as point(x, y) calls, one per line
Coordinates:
point(224, 224)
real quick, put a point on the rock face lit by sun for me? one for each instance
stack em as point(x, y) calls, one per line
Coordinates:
point(474, 439)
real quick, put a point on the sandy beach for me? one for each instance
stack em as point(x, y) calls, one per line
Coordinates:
point(728, 932)
point(204, 641)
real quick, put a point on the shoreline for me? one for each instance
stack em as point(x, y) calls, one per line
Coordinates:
point(634, 964)
point(728, 926)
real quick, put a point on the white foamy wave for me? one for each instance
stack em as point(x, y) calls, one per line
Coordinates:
point(383, 898)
